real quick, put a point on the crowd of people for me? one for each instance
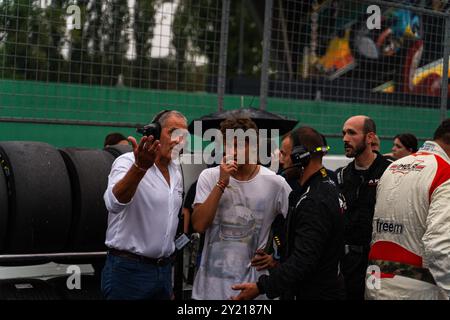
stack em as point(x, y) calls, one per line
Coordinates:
point(374, 229)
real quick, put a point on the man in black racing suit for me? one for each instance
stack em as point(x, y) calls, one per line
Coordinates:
point(315, 232)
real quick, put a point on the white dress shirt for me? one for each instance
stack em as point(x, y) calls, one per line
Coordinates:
point(147, 224)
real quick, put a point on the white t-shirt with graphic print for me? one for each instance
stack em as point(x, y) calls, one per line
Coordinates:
point(241, 226)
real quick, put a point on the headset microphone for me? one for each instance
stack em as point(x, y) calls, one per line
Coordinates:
point(154, 128)
point(284, 169)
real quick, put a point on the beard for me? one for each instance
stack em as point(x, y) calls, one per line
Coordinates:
point(355, 151)
point(291, 173)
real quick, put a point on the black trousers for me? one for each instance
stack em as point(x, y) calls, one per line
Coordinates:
point(354, 269)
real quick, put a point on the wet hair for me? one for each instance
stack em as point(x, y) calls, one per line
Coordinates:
point(113, 138)
point(408, 140)
point(443, 132)
point(237, 123)
point(243, 123)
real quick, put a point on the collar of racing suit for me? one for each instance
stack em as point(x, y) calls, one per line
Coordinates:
point(374, 164)
point(322, 172)
point(433, 147)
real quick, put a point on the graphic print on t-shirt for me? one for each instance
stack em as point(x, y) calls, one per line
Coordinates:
point(234, 238)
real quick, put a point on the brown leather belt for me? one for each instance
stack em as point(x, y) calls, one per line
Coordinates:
point(157, 262)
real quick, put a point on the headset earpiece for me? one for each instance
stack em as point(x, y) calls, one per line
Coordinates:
point(300, 156)
point(159, 115)
point(154, 128)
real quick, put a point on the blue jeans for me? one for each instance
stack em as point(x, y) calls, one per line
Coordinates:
point(128, 279)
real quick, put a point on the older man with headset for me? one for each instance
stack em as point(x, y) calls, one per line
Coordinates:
point(143, 198)
point(315, 232)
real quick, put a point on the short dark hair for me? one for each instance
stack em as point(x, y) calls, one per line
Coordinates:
point(308, 137)
point(113, 138)
point(408, 140)
point(369, 126)
point(443, 132)
point(244, 123)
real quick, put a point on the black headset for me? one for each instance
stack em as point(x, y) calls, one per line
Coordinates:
point(154, 128)
point(300, 155)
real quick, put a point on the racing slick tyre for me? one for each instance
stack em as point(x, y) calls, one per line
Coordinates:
point(88, 171)
point(40, 200)
point(3, 208)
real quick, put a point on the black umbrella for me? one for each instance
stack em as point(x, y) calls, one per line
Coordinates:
point(263, 119)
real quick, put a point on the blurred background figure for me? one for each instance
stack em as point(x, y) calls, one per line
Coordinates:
point(375, 144)
point(114, 138)
point(404, 145)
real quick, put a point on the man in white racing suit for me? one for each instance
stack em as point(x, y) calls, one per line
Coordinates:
point(410, 252)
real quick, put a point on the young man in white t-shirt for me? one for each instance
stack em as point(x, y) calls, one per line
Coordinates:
point(235, 205)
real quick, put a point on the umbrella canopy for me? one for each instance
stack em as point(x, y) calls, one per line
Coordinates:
point(263, 119)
